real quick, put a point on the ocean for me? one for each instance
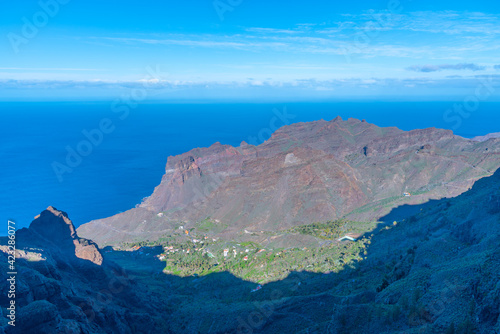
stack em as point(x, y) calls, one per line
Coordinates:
point(96, 159)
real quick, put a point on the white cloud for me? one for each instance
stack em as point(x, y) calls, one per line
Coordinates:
point(441, 67)
point(373, 34)
point(274, 31)
point(248, 82)
point(49, 69)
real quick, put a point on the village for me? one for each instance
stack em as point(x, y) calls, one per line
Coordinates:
point(188, 252)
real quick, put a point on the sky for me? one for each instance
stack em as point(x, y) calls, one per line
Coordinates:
point(249, 49)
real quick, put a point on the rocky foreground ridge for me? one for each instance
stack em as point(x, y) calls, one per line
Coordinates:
point(306, 172)
point(64, 285)
point(52, 228)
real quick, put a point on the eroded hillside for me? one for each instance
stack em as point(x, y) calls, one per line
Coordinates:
point(305, 173)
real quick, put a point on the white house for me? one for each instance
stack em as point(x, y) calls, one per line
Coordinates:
point(350, 237)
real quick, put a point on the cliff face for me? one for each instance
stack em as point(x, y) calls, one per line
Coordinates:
point(306, 172)
point(64, 286)
point(54, 229)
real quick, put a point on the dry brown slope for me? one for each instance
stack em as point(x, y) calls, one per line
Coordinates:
point(305, 172)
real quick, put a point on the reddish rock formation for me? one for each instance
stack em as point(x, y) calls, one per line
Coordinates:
point(306, 172)
point(55, 228)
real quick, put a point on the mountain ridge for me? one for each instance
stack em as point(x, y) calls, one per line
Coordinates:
point(305, 172)
point(487, 137)
point(433, 272)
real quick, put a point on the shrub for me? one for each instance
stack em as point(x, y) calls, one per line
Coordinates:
point(450, 329)
point(466, 327)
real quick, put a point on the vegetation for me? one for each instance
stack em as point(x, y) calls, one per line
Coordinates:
point(433, 272)
point(251, 261)
point(329, 230)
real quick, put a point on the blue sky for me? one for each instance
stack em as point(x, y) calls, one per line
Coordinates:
point(248, 49)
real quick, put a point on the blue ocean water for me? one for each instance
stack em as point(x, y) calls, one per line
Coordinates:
point(128, 161)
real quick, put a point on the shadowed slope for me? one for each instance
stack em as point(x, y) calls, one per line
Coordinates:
point(64, 286)
point(434, 272)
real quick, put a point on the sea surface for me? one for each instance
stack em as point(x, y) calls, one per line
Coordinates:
point(119, 168)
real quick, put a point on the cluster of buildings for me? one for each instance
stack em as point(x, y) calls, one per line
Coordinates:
point(226, 252)
point(235, 252)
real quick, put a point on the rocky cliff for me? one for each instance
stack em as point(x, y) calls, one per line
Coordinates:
point(52, 228)
point(63, 285)
point(306, 172)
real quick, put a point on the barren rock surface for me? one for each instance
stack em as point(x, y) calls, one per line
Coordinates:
point(305, 173)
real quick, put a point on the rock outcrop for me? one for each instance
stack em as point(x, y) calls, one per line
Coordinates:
point(306, 172)
point(53, 227)
point(63, 285)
